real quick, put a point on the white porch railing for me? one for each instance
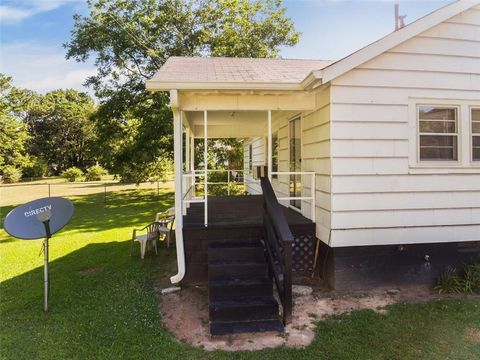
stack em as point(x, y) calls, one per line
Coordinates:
point(189, 186)
point(311, 198)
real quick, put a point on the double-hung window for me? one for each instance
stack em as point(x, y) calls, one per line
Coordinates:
point(475, 116)
point(438, 133)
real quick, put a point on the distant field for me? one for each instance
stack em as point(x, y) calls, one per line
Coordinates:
point(26, 191)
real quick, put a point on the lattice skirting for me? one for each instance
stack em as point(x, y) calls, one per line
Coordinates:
point(303, 253)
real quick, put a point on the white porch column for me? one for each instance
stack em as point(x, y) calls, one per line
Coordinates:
point(269, 152)
point(205, 161)
point(178, 149)
point(187, 149)
point(192, 152)
point(192, 162)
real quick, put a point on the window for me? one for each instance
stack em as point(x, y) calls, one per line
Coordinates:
point(475, 134)
point(438, 133)
point(275, 154)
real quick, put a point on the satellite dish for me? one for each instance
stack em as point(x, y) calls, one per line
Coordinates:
point(26, 221)
point(39, 219)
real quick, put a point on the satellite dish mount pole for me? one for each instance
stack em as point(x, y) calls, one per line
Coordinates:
point(46, 284)
point(25, 222)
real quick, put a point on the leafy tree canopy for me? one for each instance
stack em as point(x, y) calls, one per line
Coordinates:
point(130, 39)
point(223, 154)
point(13, 132)
point(61, 128)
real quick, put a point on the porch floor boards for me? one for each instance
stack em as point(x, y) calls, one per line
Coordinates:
point(235, 211)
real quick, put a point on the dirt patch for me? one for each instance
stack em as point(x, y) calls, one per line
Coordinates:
point(472, 335)
point(89, 271)
point(185, 314)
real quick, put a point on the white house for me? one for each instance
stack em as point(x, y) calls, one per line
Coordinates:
point(388, 137)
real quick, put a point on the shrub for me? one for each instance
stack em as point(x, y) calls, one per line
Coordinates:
point(95, 173)
point(471, 274)
point(37, 169)
point(460, 282)
point(450, 282)
point(162, 170)
point(11, 174)
point(72, 174)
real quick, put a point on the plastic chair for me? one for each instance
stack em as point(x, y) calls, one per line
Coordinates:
point(152, 235)
point(166, 219)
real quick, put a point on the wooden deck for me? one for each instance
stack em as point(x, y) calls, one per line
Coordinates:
point(236, 219)
point(234, 211)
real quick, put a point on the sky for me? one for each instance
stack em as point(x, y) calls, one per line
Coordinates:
point(32, 33)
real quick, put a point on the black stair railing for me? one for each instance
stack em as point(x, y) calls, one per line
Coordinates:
point(278, 240)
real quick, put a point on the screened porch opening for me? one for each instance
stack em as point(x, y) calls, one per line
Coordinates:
point(205, 175)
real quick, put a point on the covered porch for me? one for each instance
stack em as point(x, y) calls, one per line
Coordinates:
point(201, 217)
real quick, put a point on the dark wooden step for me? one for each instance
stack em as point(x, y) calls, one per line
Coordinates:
point(234, 243)
point(235, 327)
point(234, 288)
point(233, 251)
point(239, 269)
point(243, 309)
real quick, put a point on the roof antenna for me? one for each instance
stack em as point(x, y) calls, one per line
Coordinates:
point(399, 19)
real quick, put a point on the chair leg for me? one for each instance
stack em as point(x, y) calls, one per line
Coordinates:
point(155, 246)
point(143, 246)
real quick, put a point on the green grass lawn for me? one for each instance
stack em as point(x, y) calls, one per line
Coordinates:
point(103, 305)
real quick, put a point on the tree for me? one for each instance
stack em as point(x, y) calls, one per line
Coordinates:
point(222, 154)
point(61, 129)
point(13, 132)
point(131, 39)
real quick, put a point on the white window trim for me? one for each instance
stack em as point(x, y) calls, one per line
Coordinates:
point(464, 164)
point(470, 118)
point(458, 134)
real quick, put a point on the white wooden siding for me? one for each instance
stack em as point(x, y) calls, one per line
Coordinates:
point(252, 186)
point(376, 197)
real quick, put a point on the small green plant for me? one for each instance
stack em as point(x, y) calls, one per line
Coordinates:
point(471, 274)
point(450, 282)
point(11, 174)
point(37, 169)
point(72, 174)
point(95, 173)
point(464, 281)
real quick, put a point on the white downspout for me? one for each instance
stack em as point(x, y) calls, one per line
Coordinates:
point(178, 164)
point(187, 150)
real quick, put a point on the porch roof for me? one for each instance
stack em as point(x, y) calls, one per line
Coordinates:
point(202, 73)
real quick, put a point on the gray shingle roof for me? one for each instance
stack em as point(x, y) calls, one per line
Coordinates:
point(232, 70)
